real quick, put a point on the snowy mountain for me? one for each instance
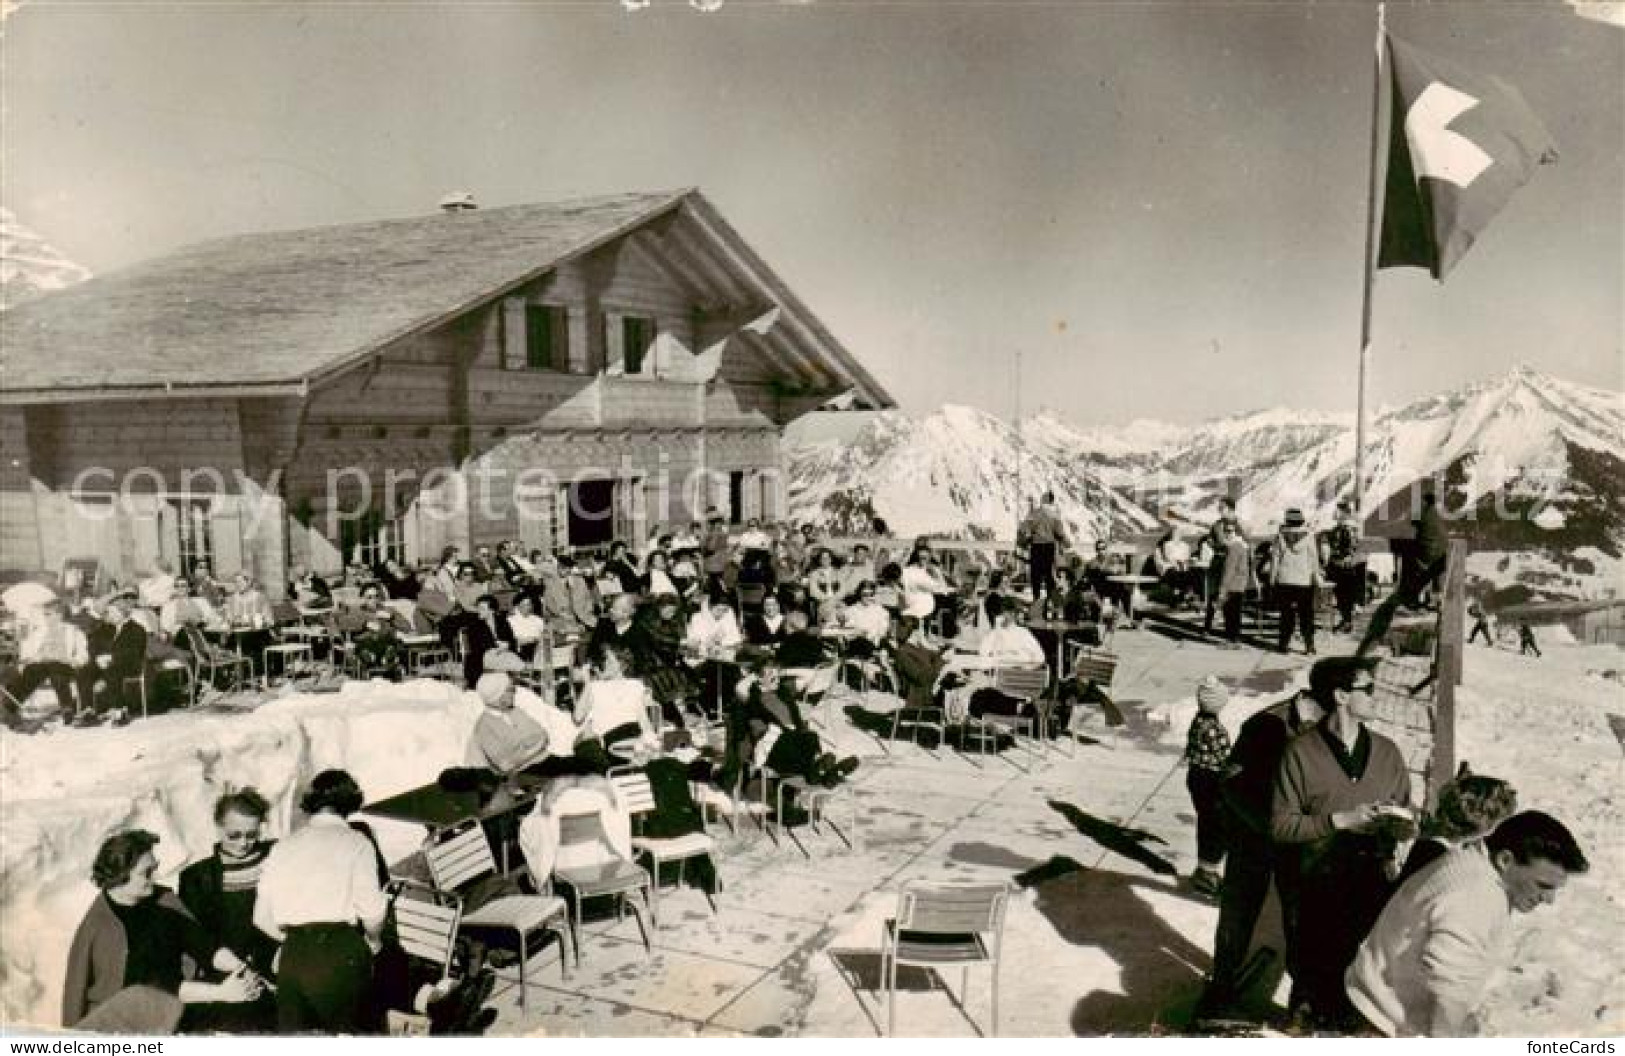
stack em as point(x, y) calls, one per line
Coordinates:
point(959, 472)
point(29, 265)
point(1524, 464)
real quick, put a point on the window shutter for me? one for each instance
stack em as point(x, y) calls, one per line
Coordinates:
point(513, 334)
point(225, 528)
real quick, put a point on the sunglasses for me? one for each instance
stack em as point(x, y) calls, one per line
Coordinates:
point(1363, 687)
point(241, 834)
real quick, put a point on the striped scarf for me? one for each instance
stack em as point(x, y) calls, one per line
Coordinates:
point(242, 874)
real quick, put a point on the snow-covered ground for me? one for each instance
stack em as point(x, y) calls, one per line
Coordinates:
point(62, 793)
point(1541, 723)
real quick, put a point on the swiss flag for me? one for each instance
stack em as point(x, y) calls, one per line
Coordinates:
point(1460, 144)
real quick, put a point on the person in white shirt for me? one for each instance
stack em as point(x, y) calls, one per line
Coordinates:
point(858, 570)
point(53, 651)
point(1006, 644)
point(155, 590)
point(867, 616)
point(610, 709)
point(1425, 967)
point(753, 538)
point(713, 632)
point(657, 578)
point(320, 896)
point(527, 626)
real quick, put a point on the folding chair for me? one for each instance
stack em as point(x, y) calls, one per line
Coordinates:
point(463, 855)
point(813, 694)
point(596, 872)
point(1026, 685)
point(633, 792)
point(426, 923)
point(942, 924)
point(1092, 669)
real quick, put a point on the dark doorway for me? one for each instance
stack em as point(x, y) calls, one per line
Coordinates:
point(736, 497)
point(592, 512)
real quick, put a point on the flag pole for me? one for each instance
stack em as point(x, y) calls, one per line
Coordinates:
point(1368, 276)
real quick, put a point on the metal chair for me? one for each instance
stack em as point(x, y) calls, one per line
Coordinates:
point(602, 875)
point(1091, 669)
point(633, 792)
point(1026, 685)
point(463, 855)
point(943, 924)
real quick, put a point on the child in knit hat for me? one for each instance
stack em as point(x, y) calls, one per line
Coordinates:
point(1207, 754)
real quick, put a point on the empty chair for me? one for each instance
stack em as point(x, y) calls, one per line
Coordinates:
point(582, 839)
point(944, 924)
point(426, 923)
point(636, 796)
point(463, 855)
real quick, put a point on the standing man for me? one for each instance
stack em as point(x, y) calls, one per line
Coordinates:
point(1253, 860)
point(1342, 803)
point(1294, 575)
point(1344, 567)
point(1043, 534)
point(1425, 966)
point(716, 550)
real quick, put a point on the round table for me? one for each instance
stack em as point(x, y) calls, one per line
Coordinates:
point(1133, 582)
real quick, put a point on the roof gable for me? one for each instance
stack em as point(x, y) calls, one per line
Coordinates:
point(280, 310)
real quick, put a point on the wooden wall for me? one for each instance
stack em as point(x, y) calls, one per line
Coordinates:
point(19, 514)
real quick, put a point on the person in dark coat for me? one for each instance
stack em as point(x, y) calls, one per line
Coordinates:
point(488, 630)
point(127, 965)
point(1252, 863)
point(126, 658)
point(219, 892)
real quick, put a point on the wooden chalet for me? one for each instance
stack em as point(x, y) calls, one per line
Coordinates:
point(559, 374)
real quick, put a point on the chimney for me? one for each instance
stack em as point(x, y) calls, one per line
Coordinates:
point(458, 202)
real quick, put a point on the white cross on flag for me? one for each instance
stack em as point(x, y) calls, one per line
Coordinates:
point(1459, 145)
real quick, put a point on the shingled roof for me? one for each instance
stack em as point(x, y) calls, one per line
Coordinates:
point(279, 311)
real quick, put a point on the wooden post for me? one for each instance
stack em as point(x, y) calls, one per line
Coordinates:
point(1451, 631)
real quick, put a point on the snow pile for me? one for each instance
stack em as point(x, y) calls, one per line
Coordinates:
point(958, 472)
point(62, 793)
point(29, 265)
point(1543, 725)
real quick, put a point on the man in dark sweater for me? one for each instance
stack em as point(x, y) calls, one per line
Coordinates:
point(1253, 861)
point(1341, 804)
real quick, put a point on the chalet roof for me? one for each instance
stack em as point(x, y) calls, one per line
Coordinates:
point(276, 312)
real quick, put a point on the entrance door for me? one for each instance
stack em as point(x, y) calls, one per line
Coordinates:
point(592, 512)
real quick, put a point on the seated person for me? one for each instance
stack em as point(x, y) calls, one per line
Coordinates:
point(539, 737)
point(527, 627)
point(765, 727)
point(124, 658)
point(799, 647)
point(713, 632)
point(889, 587)
point(378, 638)
point(611, 708)
point(858, 570)
point(308, 590)
point(1007, 644)
point(657, 576)
point(661, 663)
point(400, 582)
point(765, 628)
point(485, 634)
point(219, 892)
point(127, 966)
point(869, 618)
point(53, 651)
point(619, 630)
point(619, 566)
point(825, 581)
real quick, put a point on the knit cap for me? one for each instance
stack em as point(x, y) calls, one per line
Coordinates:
point(1211, 694)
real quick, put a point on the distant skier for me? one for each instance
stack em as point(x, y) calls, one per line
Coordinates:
point(1481, 625)
point(1526, 640)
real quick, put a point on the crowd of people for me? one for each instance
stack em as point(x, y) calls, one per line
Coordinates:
point(1314, 802)
point(692, 663)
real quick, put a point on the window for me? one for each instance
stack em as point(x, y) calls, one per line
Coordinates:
point(547, 338)
point(372, 539)
point(192, 530)
point(736, 497)
point(637, 334)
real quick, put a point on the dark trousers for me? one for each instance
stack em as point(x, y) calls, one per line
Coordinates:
point(1232, 615)
point(1348, 589)
point(1248, 872)
point(1041, 567)
point(1339, 900)
point(1204, 786)
point(324, 983)
point(1480, 627)
point(1297, 608)
point(61, 677)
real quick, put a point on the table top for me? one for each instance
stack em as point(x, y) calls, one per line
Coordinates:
point(1060, 625)
point(1134, 579)
point(435, 807)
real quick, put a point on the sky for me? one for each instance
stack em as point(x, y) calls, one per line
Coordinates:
point(1160, 206)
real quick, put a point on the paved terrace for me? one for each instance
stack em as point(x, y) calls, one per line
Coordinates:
point(1102, 938)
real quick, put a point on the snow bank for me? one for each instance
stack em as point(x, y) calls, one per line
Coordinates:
point(62, 793)
point(1543, 725)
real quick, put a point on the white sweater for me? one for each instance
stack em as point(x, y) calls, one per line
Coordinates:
point(1431, 952)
